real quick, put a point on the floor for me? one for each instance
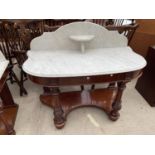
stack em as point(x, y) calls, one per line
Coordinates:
point(137, 117)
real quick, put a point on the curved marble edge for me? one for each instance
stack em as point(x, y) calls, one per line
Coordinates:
point(59, 39)
point(137, 60)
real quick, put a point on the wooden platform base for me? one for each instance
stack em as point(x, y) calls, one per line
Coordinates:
point(7, 119)
point(63, 103)
point(108, 99)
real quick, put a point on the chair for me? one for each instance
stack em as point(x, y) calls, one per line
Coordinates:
point(7, 52)
point(59, 22)
point(48, 28)
point(116, 22)
point(127, 30)
point(120, 22)
point(36, 27)
point(101, 22)
point(10, 44)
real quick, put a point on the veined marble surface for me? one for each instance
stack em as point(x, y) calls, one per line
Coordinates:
point(3, 64)
point(71, 63)
point(54, 54)
point(60, 39)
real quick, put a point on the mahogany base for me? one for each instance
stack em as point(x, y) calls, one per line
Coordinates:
point(7, 119)
point(108, 99)
point(63, 103)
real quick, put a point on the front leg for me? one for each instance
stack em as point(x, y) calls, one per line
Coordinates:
point(59, 119)
point(114, 114)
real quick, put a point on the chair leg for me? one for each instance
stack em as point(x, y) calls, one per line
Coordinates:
point(11, 76)
point(22, 75)
point(21, 82)
point(22, 89)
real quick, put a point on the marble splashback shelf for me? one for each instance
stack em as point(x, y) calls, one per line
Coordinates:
point(82, 39)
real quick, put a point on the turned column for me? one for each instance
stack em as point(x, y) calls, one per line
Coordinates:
point(112, 85)
point(114, 114)
point(49, 90)
point(59, 119)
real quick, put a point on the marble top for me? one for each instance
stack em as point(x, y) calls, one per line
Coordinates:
point(72, 63)
point(54, 54)
point(3, 64)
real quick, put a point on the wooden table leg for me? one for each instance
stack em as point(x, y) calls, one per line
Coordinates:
point(114, 114)
point(53, 93)
point(59, 119)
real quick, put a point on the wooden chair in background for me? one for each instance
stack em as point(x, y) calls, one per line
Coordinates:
point(10, 43)
point(118, 22)
point(101, 22)
point(113, 22)
point(127, 30)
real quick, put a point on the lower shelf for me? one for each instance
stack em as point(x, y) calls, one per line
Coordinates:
point(101, 98)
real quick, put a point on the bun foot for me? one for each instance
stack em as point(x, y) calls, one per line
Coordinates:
point(59, 119)
point(114, 115)
point(12, 132)
point(60, 125)
point(59, 122)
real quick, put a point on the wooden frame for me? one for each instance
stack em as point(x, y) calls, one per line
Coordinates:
point(108, 99)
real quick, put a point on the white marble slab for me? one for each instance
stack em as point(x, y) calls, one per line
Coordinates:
point(54, 54)
point(60, 39)
point(71, 63)
point(3, 64)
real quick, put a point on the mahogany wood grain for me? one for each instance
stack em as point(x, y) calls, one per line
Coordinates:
point(63, 103)
point(108, 99)
point(81, 80)
point(8, 109)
